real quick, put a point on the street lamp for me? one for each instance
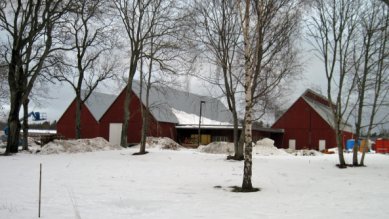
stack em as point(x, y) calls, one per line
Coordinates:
point(199, 134)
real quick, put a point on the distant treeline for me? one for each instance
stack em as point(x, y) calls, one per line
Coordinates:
point(43, 125)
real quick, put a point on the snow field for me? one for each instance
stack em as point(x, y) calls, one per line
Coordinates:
point(180, 184)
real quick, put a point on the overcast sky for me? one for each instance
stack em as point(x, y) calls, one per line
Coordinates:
point(61, 95)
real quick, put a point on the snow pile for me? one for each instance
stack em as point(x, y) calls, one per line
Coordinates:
point(218, 148)
point(77, 146)
point(304, 152)
point(162, 142)
point(266, 147)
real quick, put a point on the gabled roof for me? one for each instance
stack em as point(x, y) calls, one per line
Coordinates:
point(321, 105)
point(98, 103)
point(168, 105)
point(175, 106)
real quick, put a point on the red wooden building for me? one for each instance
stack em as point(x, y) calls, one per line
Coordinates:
point(308, 124)
point(102, 115)
point(173, 113)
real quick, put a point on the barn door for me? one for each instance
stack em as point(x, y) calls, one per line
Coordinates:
point(115, 132)
point(292, 144)
point(322, 145)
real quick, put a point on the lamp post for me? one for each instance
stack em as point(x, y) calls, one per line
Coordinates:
point(199, 134)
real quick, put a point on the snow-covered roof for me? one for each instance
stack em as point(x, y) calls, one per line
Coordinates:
point(175, 106)
point(168, 105)
point(326, 113)
point(98, 103)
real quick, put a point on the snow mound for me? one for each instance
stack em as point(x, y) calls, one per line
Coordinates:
point(266, 147)
point(162, 142)
point(218, 148)
point(304, 152)
point(78, 146)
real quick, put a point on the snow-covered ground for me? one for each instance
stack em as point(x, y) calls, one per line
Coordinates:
point(190, 184)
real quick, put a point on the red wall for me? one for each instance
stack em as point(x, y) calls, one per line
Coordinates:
point(115, 115)
point(303, 124)
point(382, 146)
point(66, 125)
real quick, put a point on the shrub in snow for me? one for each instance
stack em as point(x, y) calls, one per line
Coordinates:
point(77, 146)
point(162, 142)
point(218, 148)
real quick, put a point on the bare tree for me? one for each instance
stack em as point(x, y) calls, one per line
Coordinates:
point(371, 68)
point(217, 30)
point(93, 41)
point(269, 29)
point(333, 30)
point(164, 55)
point(140, 19)
point(29, 27)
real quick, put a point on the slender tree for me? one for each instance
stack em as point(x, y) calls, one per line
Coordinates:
point(163, 53)
point(217, 30)
point(269, 29)
point(29, 27)
point(142, 20)
point(370, 58)
point(92, 59)
point(333, 31)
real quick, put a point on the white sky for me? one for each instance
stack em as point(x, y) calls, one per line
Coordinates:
point(62, 94)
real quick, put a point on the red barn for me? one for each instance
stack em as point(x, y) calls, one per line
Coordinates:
point(308, 124)
point(102, 114)
point(91, 112)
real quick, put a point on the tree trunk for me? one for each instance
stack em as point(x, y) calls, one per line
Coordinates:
point(241, 142)
point(25, 124)
point(248, 86)
point(127, 100)
point(78, 116)
point(238, 152)
point(339, 142)
point(142, 149)
point(14, 123)
point(145, 112)
point(247, 173)
point(367, 146)
point(131, 73)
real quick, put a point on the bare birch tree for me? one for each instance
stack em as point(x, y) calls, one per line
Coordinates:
point(92, 39)
point(269, 29)
point(29, 27)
